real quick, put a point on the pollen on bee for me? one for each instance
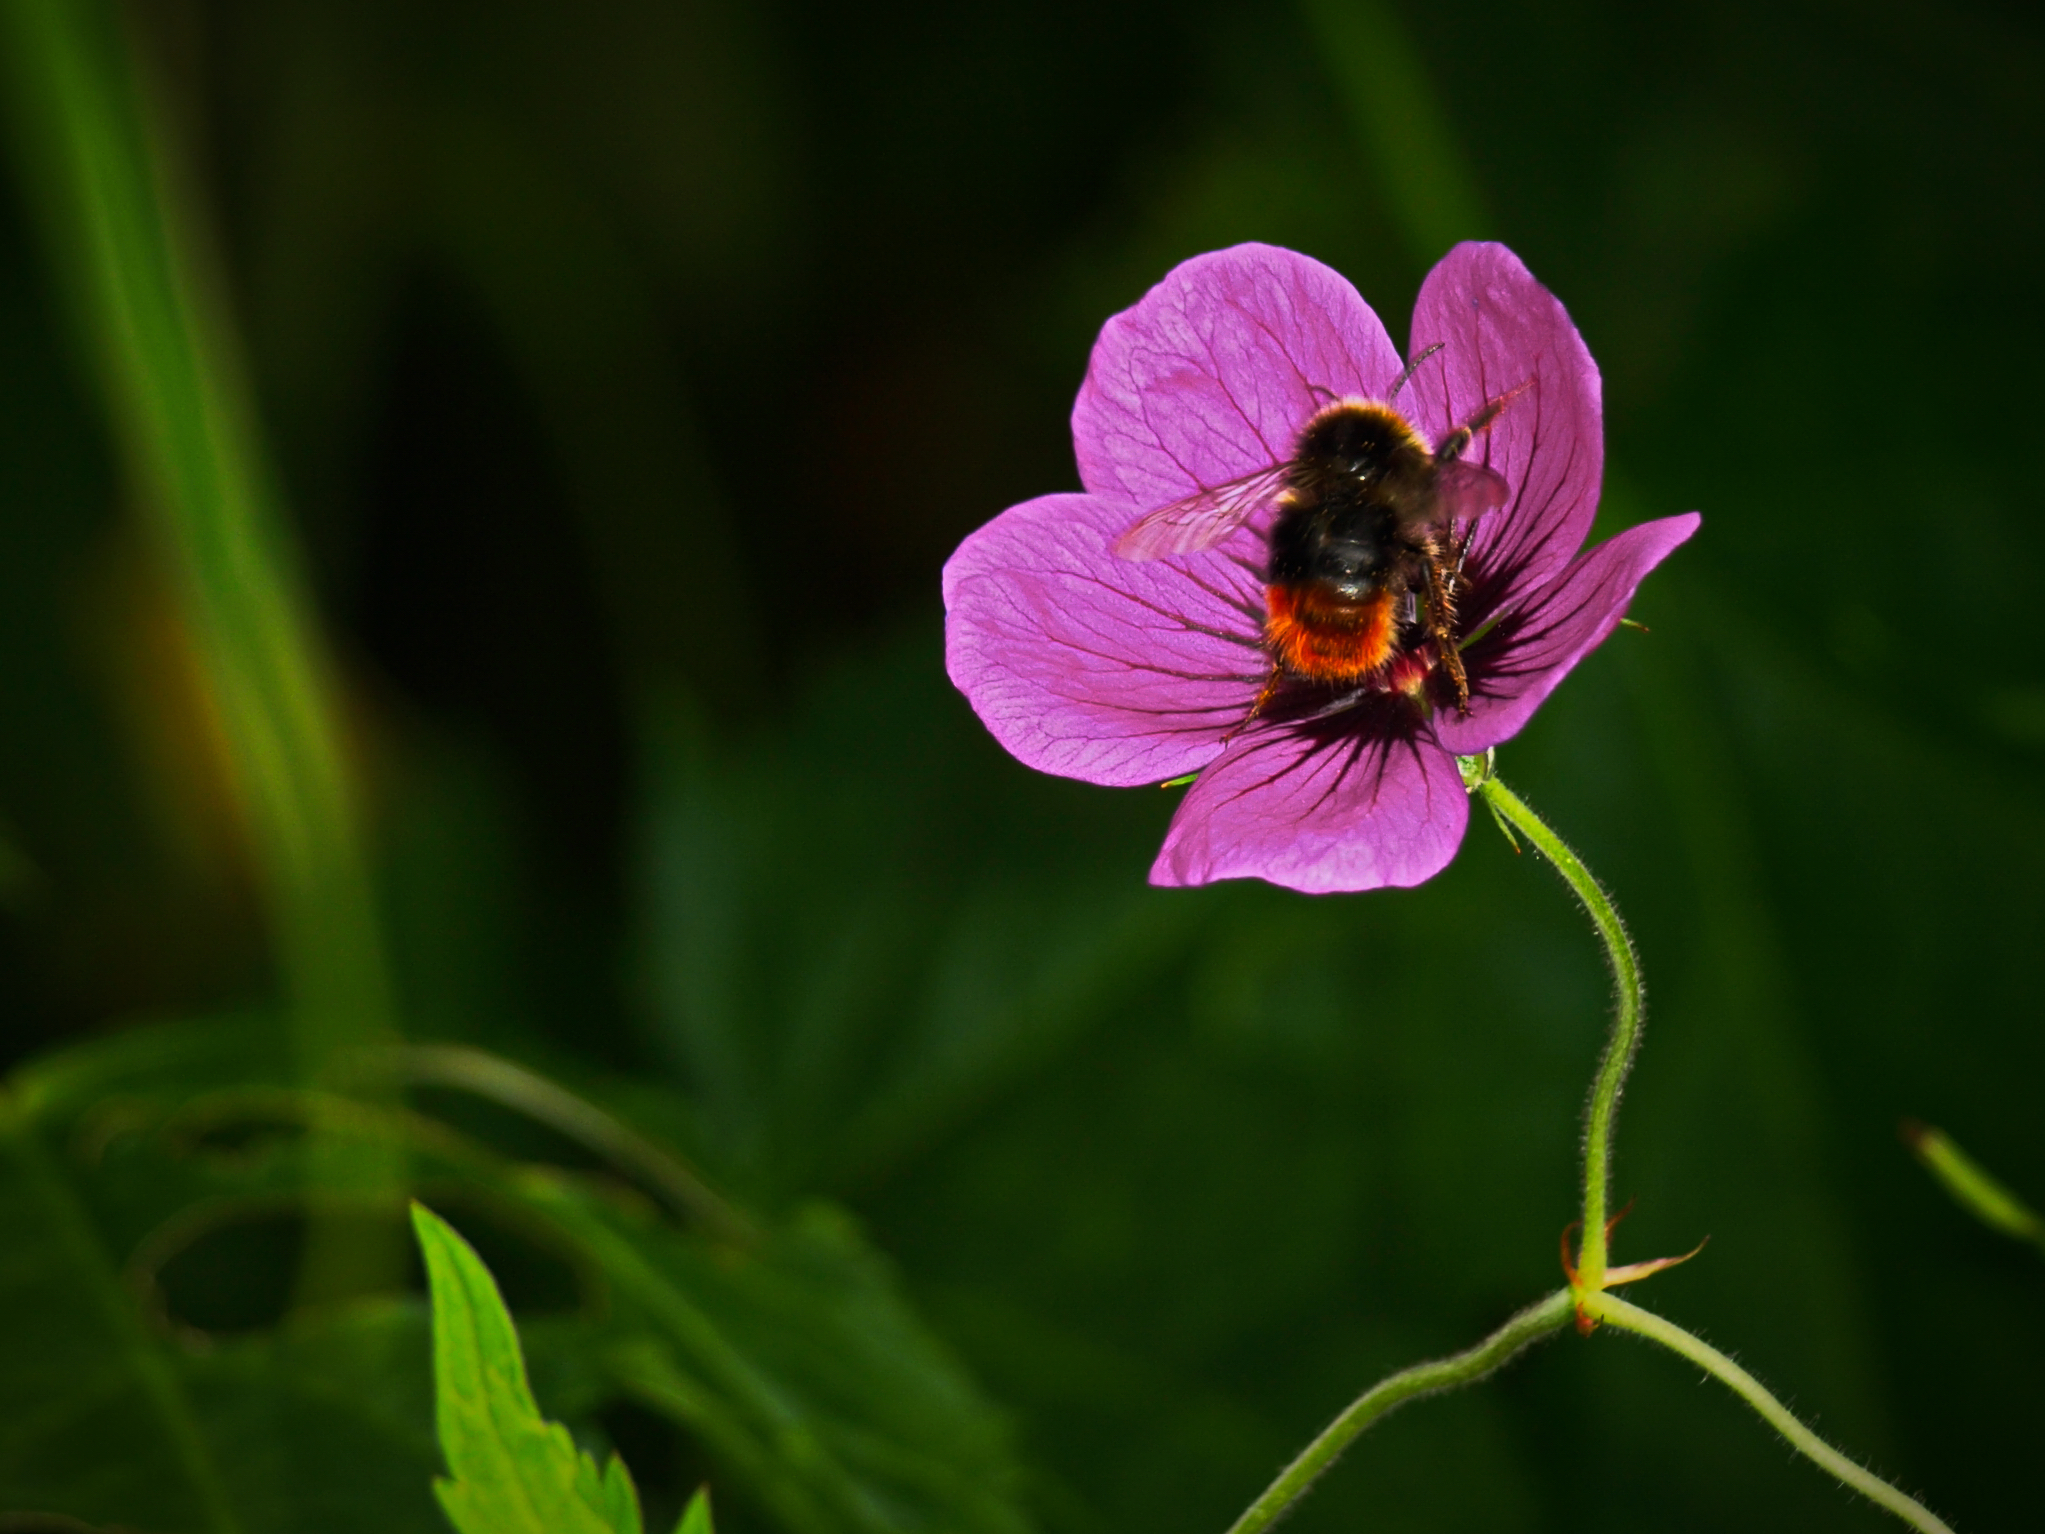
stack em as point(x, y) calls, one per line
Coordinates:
point(1328, 640)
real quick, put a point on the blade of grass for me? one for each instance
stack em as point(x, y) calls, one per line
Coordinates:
point(104, 174)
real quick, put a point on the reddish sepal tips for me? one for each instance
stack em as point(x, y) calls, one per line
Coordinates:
point(1638, 1270)
point(1585, 1321)
point(1626, 1273)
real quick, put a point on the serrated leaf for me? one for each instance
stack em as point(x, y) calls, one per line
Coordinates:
point(788, 1353)
point(696, 1516)
point(514, 1472)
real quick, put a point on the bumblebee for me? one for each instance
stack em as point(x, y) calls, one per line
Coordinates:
point(1365, 552)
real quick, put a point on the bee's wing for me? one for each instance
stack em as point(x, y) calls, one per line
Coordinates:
point(1465, 491)
point(1202, 519)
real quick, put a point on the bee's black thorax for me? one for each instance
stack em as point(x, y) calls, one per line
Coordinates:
point(1358, 488)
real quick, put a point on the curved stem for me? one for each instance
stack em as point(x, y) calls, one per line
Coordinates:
point(1614, 1311)
point(1624, 1042)
point(1467, 1367)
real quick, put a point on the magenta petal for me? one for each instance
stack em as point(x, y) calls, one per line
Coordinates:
point(1515, 666)
point(1499, 329)
point(1350, 814)
point(1215, 370)
point(1090, 666)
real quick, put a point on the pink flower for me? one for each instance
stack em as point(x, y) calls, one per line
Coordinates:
point(1125, 672)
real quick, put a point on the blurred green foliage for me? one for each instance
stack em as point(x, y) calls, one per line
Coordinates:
point(1972, 1186)
point(627, 371)
point(154, 1194)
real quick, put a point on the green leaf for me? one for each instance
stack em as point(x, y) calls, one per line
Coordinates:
point(696, 1516)
point(514, 1471)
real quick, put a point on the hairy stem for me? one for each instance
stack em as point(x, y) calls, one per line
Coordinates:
point(1614, 1311)
point(1624, 1042)
point(1467, 1367)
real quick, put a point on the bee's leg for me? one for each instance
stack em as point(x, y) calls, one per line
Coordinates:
point(1441, 623)
point(1460, 546)
point(1270, 691)
point(1457, 550)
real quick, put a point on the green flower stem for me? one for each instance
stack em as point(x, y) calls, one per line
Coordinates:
point(1613, 1311)
point(1624, 1042)
point(1465, 1368)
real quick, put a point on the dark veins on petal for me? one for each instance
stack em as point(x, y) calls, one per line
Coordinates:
point(1325, 716)
point(1363, 745)
point(1516, 646)
point(1498, 563)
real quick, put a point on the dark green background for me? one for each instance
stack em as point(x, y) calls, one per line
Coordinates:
point(631, 368)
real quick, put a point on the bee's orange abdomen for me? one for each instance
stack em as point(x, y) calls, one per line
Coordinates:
point(1327, 639)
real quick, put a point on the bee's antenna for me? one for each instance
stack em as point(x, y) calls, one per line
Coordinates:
point(1411, 368)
